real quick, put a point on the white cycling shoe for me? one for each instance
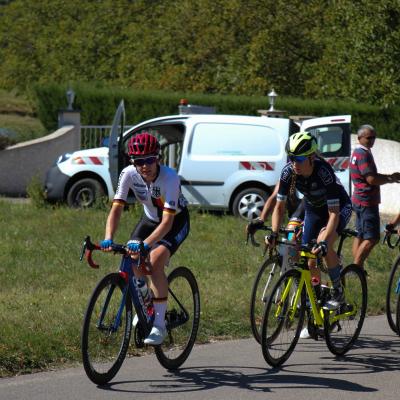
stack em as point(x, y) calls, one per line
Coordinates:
point(156, 337)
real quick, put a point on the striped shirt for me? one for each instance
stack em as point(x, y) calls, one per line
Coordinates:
point(362, 164)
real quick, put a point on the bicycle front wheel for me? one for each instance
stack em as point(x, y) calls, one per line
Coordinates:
point(106, 329)
point(392, 294)
point(182, 319)
point(398, 314)
point(342, 326)
point(267, 276)
point(283, 319)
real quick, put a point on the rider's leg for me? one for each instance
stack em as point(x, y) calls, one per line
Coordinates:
point(159, 257)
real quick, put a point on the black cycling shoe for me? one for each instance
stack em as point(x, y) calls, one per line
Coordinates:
point(336, 300)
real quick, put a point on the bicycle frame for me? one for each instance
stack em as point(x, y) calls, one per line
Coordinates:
point(316, 309)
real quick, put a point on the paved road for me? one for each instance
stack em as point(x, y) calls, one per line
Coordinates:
point(236, 370)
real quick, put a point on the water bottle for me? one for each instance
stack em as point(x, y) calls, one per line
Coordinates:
point(146, 294)
point(316, 284)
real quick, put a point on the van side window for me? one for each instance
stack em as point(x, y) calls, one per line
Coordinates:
point(332, 140)
point(220, 139)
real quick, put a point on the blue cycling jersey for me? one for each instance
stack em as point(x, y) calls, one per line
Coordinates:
point(322, 188)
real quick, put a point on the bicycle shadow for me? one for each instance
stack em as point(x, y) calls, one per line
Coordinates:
point(200, 378)
point(376, 354)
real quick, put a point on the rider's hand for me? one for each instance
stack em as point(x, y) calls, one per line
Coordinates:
point(321, 247)
point(252, 226)
point(137, 246)
point(106, 244)
point(389, 227)
point(270, 240)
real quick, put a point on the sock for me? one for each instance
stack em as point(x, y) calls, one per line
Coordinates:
point(334, 274)
point(159, 311)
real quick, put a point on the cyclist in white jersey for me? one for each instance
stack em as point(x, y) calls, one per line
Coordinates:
point(164, 225)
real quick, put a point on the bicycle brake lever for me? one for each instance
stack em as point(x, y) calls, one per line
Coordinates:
point(87, 250)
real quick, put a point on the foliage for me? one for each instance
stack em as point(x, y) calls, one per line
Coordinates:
point(310, 49)
point(35, 192)
point(45, 289)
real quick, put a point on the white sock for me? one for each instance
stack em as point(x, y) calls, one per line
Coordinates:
point(159, 310)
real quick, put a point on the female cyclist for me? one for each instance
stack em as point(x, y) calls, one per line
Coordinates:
point(327, 205)
point(164, 225)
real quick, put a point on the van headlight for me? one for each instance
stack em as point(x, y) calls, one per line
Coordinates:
point(63, 157)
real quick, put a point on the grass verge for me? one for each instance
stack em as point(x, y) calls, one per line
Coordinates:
point(45, 289)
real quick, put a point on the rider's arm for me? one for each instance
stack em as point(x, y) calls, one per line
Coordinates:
point(113, 219)
point(162, 229)
point(269, 204)
point(277, 215)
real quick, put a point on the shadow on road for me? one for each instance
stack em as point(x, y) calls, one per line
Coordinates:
point(369, 355)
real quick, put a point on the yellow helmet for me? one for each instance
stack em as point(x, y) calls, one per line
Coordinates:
point(301, 144)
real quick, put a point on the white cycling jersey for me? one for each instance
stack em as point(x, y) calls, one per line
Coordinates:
point(162, 195)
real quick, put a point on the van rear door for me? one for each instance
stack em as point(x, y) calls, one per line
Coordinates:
point(334, 143)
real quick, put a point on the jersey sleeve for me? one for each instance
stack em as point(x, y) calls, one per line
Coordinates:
point(365, 163)
point(121, 194)
point(330, 182)
point(284, 183)
point(172, 193)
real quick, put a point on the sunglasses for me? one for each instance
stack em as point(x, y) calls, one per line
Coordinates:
point(139, 162)
point(298, 159)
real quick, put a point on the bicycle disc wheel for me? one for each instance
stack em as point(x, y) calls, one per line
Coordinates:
point(105, 340)
point(283, 319)
point(267, 276)
point(182, 319)
point(392, 294)
point(342, 326)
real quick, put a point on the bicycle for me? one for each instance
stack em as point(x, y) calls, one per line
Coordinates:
point(107, 324)
point(393, 288)
point(286, 307)
point(272, 268)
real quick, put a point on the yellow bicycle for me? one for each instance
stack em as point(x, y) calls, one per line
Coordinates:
point(294, 295)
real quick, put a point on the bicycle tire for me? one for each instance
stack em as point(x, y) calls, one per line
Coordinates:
point(266, 278)
point(182, 319)
point(391, 295)
point(280, 333)
point(398, 315)
point(104, 351)
point(341, 334)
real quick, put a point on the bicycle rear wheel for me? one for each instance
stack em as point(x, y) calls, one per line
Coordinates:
point(342, 326)
point(182, 319)
point(283, 319)
point(267, 276)
point(392, 294)
point(105, 339)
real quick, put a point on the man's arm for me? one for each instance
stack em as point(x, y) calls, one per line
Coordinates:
point(381, 179)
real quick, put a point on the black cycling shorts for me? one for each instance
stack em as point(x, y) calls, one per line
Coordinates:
point(173, 239)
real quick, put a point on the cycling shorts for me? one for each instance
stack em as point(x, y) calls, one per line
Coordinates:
point(317, 218)
point(173, 239)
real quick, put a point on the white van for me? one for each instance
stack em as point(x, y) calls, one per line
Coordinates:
point(226, 162)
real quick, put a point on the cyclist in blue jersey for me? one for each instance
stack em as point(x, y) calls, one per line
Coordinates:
point(164, 225)
point(327, 205)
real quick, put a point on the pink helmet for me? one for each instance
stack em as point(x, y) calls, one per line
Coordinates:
point(143, 145)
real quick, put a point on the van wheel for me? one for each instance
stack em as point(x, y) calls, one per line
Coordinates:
point(84, 193)
point(249, 203)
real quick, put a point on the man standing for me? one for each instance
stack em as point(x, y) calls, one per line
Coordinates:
point(366, 195)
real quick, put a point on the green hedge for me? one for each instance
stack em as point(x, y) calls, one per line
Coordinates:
point(98, 105)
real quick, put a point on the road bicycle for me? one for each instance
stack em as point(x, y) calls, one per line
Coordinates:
point(286, 308)
point(274, 265)
point(107, 324)
point(393, 288)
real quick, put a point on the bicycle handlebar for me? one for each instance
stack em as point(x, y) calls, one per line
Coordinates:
point(88, 247)
point(250, 236)
point(388, 240)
